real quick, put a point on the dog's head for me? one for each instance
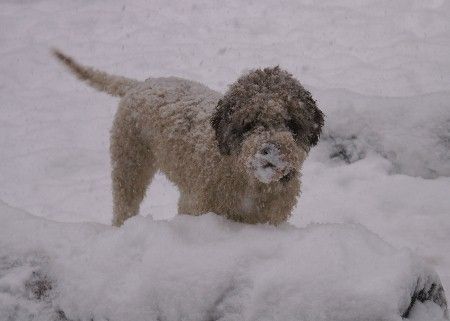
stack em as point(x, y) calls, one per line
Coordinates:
point(269, 121)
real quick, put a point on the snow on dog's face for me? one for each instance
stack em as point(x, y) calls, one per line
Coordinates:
point(270, 122)
point(271, 156)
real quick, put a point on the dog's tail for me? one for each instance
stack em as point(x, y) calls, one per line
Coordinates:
point(113, 85)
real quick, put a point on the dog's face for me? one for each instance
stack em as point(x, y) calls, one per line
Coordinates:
point(270, 122)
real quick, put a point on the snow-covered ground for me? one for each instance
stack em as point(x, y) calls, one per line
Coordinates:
point(206, 268)
point(380, 70)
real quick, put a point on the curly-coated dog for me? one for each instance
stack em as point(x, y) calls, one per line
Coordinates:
point(238, 155)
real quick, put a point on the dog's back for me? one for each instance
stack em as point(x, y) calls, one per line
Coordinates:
point(161, 124)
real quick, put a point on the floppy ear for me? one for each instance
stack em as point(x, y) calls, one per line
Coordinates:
point(316, 129)
point(221, 123)
point(315, 117)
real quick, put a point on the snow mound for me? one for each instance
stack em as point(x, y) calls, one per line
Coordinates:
point(207, 268)
point(413, 133)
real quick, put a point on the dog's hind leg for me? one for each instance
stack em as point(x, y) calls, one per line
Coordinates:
point(133, 167)
point(187, 204)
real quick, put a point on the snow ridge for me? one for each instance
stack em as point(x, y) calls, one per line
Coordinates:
point(207, 268)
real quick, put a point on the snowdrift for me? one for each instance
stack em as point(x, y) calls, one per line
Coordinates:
point(207, 268)
point(412, 133)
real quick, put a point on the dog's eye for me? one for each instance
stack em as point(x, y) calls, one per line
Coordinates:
point(294, 127)
point(247, 127)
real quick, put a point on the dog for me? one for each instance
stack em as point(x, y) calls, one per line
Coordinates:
point(238, 155)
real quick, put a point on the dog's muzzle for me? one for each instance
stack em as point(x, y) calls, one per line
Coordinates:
point(269, 165)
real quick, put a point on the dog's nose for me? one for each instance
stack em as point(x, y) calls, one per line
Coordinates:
point(268, 164)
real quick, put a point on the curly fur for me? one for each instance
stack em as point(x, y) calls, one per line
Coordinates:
point(271, 98)
point(212, 147)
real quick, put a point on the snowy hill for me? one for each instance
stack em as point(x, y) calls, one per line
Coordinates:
point(380, 70)
point(207, 268)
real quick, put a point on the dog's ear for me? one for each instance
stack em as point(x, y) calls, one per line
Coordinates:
point(315, 116)
point(317, 125)
point(221, 122)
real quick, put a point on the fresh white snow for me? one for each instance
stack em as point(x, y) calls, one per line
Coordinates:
point(380, 70)
point(204, 268)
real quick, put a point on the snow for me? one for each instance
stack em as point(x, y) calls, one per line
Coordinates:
point(413, 133)
point(380, 71)
point(205, 268)
point(267, 163)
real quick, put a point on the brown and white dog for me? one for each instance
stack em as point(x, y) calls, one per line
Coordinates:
point(238, 155)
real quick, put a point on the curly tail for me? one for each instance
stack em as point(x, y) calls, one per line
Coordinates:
point(113, 85)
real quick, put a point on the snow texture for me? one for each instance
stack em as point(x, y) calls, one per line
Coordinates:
point(380, 70)
point(412, 133)
point(204, 268)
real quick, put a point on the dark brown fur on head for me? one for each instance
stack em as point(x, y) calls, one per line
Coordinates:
point(266, 99)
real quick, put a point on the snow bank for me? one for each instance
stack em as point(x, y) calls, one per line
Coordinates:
point(413, 133)
point(206, 268)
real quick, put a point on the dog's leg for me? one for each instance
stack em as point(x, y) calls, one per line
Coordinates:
point(187, 204)
point(133, 167)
